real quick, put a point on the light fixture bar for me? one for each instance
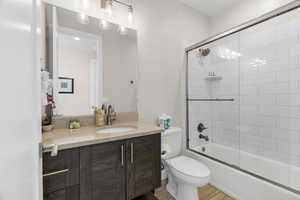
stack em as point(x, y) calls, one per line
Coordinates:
point(122, 3)
point(103, 3)
point(108, 4)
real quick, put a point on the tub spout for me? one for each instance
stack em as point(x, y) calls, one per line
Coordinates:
point(205, 137)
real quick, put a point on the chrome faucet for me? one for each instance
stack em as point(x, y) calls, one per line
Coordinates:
point(205, 137)
point(110, 115)
point(200, 129)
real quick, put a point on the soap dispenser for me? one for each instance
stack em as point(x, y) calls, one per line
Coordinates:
point(99, 117)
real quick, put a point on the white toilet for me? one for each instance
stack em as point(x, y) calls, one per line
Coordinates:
point(185, 174)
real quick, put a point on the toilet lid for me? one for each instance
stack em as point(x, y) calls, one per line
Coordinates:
point(189, 166)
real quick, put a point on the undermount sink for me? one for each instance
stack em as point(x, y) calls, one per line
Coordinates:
point(117, 130)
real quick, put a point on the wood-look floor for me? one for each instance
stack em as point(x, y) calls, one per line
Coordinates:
point(207, 192)
point(210, 192)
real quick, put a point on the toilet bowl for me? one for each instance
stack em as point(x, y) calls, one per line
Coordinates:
point(185, 176)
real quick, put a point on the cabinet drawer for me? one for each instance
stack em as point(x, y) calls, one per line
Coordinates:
point(71, 193)
point(60, 171)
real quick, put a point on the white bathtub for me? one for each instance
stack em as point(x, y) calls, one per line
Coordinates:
point(275, 171)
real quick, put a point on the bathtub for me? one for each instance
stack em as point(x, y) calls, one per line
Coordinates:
point(274, 171)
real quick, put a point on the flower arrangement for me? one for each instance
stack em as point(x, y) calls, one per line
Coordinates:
point(48, 119)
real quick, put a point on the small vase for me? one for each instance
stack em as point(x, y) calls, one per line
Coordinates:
point(48, 128)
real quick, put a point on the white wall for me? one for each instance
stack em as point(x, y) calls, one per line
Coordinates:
point(243, 12)
point(20, 101)
point(165, 28)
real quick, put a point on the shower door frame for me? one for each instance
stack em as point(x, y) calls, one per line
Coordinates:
point(275, 13)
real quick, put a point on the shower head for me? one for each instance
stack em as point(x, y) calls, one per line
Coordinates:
point(204, 52)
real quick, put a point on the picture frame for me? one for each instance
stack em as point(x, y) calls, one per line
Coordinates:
point(66, 85)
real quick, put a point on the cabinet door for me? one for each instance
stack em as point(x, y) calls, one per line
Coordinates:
point(102, 172)
point(143, 165)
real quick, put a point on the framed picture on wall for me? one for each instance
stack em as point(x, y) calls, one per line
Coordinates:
point(66, 85)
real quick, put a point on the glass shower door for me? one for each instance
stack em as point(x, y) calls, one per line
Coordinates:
point(244, 91)
point(213, 99)
point(270, 99)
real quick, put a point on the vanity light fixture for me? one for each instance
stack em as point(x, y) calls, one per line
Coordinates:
point(108, 5)
point(85, 4)
point(130, 14)
point(76, 38)
point(104, 24)
point(83, 18)
point(123, 30)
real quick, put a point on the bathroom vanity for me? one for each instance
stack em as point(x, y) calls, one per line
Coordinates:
point(109, 167)
point(88, 65)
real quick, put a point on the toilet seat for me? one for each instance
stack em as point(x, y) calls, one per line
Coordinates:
point(189, 167)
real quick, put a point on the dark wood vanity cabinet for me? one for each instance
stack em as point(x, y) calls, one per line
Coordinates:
point(70, 193)
point(61, 175)
point(121, 170)
point(102, 172)
point(143, 165)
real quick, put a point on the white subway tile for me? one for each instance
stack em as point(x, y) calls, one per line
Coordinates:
point(267, 99)
point(283, 75)
point(289, 111)
point(269, 110)
point(288, 100)
point(289, 124)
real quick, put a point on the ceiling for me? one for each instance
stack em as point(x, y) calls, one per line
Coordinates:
point(211, 7)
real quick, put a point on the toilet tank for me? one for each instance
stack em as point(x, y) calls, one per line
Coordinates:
point(171, 143)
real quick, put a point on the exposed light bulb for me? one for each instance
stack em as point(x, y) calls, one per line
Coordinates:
point(76, 38)
point(85, 4)
point(122, 30)
point(83, 19)
point(104, 24)
point(109, 11)
point(130, 14)
point(109, 7)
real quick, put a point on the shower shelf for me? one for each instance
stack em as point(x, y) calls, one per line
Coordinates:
point(213, 78)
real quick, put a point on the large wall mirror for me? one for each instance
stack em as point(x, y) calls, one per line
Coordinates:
point(91, 61)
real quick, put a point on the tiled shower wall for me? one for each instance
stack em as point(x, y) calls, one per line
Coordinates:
point(221, 118)
point(260, 69)
point(270, 90)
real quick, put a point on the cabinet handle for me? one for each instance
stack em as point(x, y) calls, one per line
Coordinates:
point(131, 152)
point(122, 155)
point(55, 173)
